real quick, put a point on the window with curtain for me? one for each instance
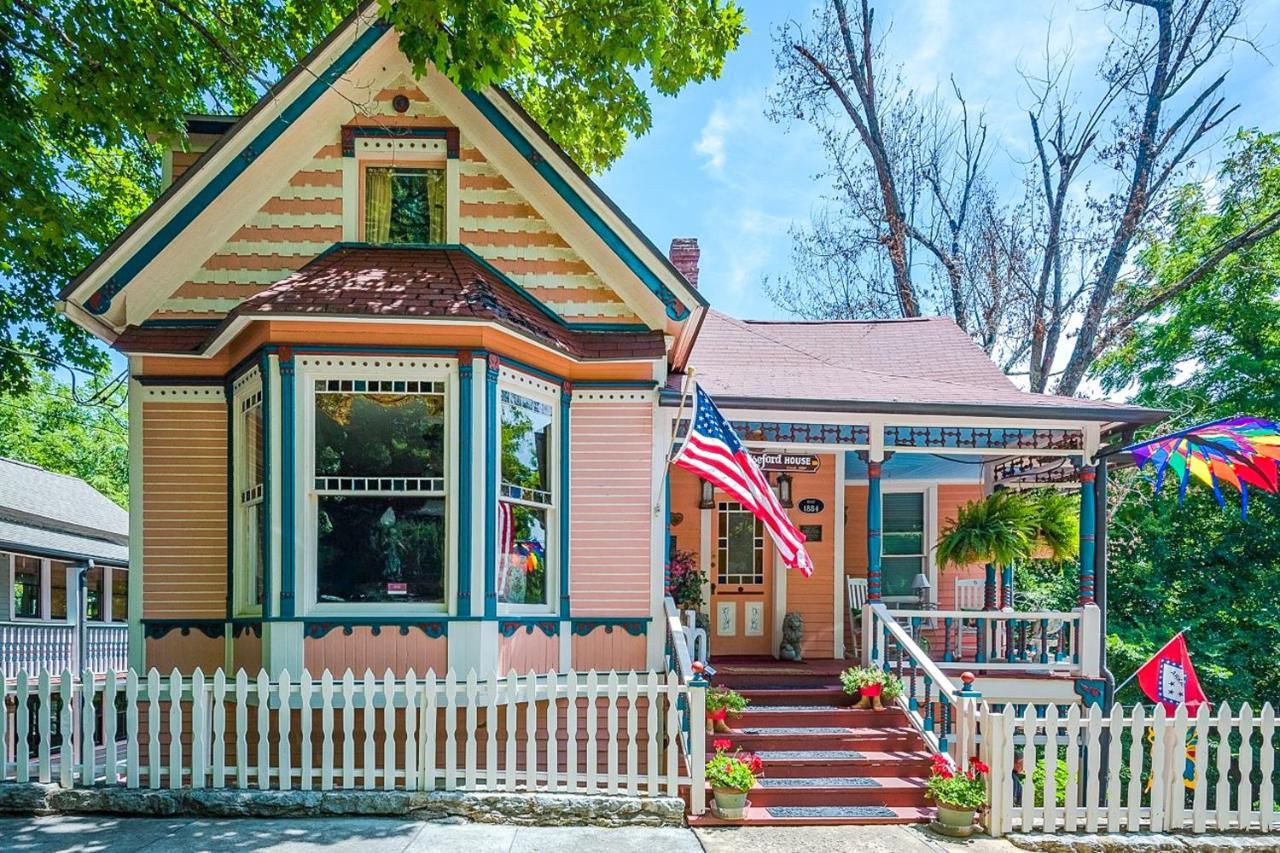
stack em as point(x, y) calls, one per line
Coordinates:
point(903, 546)
point(404, 205)
point(379, 489)
point(250, 516)
point(26, 587)
point(526, 502)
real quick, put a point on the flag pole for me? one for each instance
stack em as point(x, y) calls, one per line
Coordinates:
point(675, 424)
point(1122, 685)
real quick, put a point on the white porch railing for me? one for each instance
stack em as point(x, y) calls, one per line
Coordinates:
point(690, 708)
point(574, 732)
point(1132, 771)
point(1010, 641)
point(35, 646)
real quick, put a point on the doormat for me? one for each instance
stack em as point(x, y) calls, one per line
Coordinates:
point(830, 811)
point(812, 755)
point(819, 782)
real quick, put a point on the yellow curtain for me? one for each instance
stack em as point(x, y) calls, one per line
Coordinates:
point(377, 205)
point(435, 202)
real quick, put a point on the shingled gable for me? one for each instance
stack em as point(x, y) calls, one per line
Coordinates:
point(924, 365)
point(430, 283)
point(203, 209)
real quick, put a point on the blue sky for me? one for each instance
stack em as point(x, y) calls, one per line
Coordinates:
point(713, 167)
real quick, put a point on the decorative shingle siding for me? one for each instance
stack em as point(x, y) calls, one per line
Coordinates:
point(305, 217)
point(611, 481)
point(184, 487)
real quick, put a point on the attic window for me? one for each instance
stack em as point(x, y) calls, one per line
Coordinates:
point(404, 205)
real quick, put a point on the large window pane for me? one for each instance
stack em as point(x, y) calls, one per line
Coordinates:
point(740, 552)
point(95, 593)
point(251, 538)
point(26, 587)
point(404, 205)
point(522, 565)
point(58, 590)
point(526, 443)
point(380, 549)
point(393, 430)
point(119, 595)
point(897, 573)
point(904, 523)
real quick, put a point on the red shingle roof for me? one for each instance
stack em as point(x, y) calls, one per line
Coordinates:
point(397, 281)
point(878, 365)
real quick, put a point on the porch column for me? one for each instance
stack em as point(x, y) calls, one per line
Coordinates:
point(1006, 586)
point(989, 601)
point(1088, 528)
point(874, 524)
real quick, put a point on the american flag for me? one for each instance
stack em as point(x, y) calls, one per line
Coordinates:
point(713, 452)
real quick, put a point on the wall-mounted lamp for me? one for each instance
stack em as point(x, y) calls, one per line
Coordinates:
point(784, 490)
point(708, 499)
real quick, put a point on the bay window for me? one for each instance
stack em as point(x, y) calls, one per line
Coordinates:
point(378, 491)
point(527, 502)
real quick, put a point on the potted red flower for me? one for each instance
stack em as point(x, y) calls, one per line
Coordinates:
point(960, 794)
point(731, 775)
point(723, 703)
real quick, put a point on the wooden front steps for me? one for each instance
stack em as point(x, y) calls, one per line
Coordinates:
point(826, 763)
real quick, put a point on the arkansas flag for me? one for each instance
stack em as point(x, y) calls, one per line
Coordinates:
point(1170, 679)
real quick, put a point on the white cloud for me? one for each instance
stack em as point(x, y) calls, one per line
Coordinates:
point(711, 143)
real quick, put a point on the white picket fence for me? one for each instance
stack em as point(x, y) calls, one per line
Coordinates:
point(1131, 770)
point(574, 732)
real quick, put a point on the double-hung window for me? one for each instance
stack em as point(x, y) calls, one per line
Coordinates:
point(527, 501)
point(250, 517)
point(904, 548)
point(379, 491)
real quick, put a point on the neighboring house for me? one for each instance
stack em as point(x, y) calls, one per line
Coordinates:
point(403, 382)
point(51, 525)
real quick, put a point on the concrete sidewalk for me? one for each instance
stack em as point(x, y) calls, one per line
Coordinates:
point(107, 834)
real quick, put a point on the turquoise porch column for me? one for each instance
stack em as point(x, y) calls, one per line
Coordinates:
point(466, 423)
point(492, 417)
point(1088, 534)
point(1006, 586)
point(989, 600)
point(874, 526)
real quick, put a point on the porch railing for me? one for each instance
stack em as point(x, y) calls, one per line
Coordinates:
point(1010, 641)
point(575, 732)
point(690, 707)
point(34, 646)
point(934, 705)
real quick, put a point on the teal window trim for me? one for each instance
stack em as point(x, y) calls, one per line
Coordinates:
point(566, 398)
point(268, 493)
point(288, 502)
point(466, 421)
point(491, 450)
point(232, 502)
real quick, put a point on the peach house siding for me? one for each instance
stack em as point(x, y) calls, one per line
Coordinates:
point(362, 649)
point(184, 487)
point(185, 652)
point(305, 217)
point(603, 649)
point(525, 651)
point(811, 597)
point(610, 486)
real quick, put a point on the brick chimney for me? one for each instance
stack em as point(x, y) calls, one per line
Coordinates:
point(684, 254)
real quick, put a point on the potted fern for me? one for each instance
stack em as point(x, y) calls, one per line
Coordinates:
point(998, 529)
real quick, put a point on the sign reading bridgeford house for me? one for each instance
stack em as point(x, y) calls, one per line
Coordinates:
point(777, 460)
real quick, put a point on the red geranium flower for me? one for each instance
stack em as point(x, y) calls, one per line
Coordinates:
point(722, 744)
point(978, 766)
point(754, 762)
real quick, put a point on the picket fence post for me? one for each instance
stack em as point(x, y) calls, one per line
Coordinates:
point(697, 744)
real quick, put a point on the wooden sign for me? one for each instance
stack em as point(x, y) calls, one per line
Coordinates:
point(811, 506)
point(777, 460)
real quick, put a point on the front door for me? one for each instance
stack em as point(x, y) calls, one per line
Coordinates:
point(741, 583)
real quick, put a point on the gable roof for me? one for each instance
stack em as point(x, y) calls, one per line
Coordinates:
point(913, 366)
point(58, 515)
point(427, 282)
point(146, 241)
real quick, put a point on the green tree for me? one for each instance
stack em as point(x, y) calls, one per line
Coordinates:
point(82, 431)
point(1214, 352)
point(90, 88)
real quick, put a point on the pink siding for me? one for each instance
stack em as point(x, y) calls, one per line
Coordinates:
point(608, 650)
point(338, 651)
point(523, 652)
point(611, 481)
point(246, 653)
